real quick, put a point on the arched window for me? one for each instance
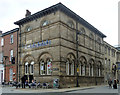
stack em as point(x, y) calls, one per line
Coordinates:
point(45, 22)
point(82, 30)
point(49, 67)
point(99, 44)
point(91, 68)
point(99, 69)
point(72, 67)
point(28, 28)
point(83, 70)
point(26, 68)
point(70, 24)
point(91, 41)
point(42, 67)
point(32, 67)
point(83, 66)
point(67, 67)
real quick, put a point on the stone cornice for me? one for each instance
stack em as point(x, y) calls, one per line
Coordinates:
point(63, 9)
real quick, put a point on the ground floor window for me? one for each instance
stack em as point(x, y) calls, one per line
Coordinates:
point(46, 67)
point(90, 70)
point(99, 74)
point(83, 70)
point(49, 67)
point(67, 67)
point(42, 68)
point(26, 68)
point(11, 74)
point(70, 67)
point(80, 70)
point(32, 67)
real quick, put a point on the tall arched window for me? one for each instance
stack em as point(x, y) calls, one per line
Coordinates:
point(82, 30)
point(91, 67)
point(26, 68)
point(99, 44)
point(32, 67)
point(67, 67)
point(49, 67)
point(80, 68)
point(83, 70)
point(42, 67)
point(83, 65)
point(72, 67)
point(91, 41)
point(99, 69)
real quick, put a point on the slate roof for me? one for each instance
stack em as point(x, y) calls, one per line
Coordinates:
point(63, 9)
point(9, 32)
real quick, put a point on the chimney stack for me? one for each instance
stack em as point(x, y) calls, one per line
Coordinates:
point(28, 13)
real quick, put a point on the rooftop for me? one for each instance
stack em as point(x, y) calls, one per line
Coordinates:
point(63, 9)
point(11, 31)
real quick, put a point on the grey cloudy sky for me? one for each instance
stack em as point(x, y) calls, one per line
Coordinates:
point(102, 14)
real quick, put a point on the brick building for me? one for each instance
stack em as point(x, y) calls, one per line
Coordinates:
point(9, 52)
point(1, 61)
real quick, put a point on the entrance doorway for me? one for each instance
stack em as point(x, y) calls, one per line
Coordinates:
point(30, 78)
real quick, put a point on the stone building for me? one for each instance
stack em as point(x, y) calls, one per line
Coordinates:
point(48, 48)
point(9, 43)
point(118, 63)
point(110, 59)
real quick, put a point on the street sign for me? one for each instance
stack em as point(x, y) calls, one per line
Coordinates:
point(118, 66)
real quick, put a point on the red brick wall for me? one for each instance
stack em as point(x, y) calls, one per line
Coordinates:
point(6, 52)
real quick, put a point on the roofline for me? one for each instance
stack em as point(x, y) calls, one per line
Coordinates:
point(64, 9)
point(9, 32)
point(109, 44)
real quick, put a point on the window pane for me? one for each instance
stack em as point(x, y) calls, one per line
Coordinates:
point(26, 68)
point(72, 68)
point(42, 68)
point(32, 69)
point(11, 74)
point(45, 23)
point(83, 70)
point(11, 39)
point(2, 42)
point(49, 66)
point(67, 67)
point(11, 54)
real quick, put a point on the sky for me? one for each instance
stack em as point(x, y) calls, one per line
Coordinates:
point(102, 14)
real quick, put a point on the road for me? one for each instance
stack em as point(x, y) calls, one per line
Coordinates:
point(100, 90)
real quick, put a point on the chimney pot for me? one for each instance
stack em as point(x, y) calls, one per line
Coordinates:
point(28, 13)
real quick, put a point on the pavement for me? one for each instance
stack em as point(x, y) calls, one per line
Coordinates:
point(91, 90)
point(40, 90)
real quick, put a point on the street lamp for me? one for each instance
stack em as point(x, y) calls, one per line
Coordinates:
point(5, 67)
point(114, 68)
point(77, 62)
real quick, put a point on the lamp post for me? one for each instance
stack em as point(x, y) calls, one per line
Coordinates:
point(77, 62)
point(114, 70)
point(5, 67)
